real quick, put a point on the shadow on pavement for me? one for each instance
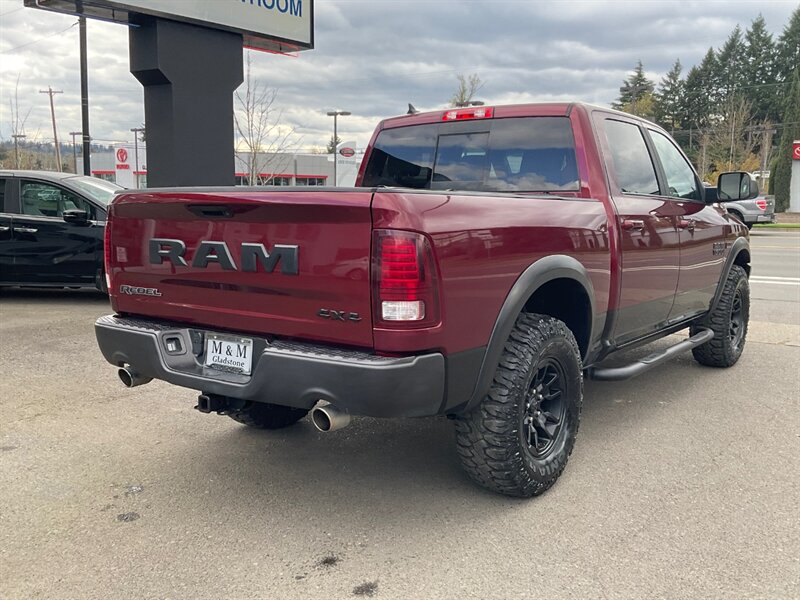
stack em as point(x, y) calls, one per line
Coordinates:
point(33, 295)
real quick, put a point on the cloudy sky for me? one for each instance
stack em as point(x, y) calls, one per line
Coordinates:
point(372, 57)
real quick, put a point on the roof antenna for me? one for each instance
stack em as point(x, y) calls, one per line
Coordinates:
point(411, 109)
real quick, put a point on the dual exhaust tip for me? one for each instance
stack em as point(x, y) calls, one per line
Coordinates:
point(325, 416)
point(131, 378)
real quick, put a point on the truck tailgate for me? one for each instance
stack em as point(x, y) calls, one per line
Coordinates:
point(225, 276)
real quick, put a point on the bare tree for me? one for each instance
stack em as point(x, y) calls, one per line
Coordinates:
point(18, 128)
point(730, 145)
point(467, 88)
point(258, 123)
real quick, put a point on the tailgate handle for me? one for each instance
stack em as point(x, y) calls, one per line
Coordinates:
point(211, 210)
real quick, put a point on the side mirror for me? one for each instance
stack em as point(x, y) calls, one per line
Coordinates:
point(75, 216)
point(737, 185)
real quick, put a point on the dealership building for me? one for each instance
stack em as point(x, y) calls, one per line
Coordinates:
point(126, 165)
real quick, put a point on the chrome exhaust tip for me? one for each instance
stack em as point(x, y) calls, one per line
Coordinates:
point(130, 378)
point(327, 417)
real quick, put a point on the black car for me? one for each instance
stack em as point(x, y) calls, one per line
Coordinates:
point(51, 229)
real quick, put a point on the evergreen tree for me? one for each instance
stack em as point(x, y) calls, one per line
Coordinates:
point(787, 59)
point(731, 65)
point(331, 147)
point(782, 171)
point(635, 89)
point(701, 99)
point(669, 98)
point(759, 65)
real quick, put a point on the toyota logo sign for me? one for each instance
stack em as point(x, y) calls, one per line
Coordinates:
point(122, 155)
point(347, 152)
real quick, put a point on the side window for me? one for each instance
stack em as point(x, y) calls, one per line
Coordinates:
point(3, 196)
point(44, 200)
point(630, 158)
point(681, 180)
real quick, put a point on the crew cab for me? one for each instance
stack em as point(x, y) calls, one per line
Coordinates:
point(488, 259)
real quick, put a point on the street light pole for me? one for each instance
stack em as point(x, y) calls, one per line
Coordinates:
point(336, 114)
point(136, 131)
point(74, 152)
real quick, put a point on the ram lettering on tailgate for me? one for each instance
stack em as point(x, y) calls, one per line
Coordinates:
point(208, 251)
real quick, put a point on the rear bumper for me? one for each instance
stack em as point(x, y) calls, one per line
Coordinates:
point(283, 372)
point(765, 218)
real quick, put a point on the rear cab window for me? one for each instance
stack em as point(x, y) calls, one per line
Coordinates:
point(518, 154)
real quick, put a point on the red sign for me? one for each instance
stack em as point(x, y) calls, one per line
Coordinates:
point(796, 151)
point(122, 155)
point(347, 152)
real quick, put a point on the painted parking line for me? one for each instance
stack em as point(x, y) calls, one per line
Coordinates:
point(775, 280)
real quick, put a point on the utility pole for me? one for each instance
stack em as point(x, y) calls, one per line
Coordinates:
point(87, 150)
point(136, 131)
point(17, 137)
point(74, 152)
point(51, 92)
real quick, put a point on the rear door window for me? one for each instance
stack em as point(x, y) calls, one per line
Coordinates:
point(515, 154)
point(630, 159)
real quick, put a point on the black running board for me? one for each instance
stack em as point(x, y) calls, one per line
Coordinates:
point(651, 360)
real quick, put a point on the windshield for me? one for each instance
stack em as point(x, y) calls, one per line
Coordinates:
point(99, 190)
point(526, 154)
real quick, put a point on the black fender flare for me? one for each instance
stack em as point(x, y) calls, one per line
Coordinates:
point(740, 244)
point(546, 269)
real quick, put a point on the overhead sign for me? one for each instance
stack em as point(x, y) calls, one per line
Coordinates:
point(796, 150)
point(276, 25)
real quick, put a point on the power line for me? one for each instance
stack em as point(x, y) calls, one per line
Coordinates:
point(39, 40)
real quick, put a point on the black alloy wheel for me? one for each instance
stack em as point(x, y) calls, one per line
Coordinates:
point(737, 324)
point(545, 409)
point(518, 438)
point(728, 320)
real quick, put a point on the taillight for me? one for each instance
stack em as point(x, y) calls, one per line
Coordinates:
point(465, 114)
point(107, 251)
point(404, 280)
point(761, 203)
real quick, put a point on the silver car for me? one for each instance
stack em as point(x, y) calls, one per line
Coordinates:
point(760, 209)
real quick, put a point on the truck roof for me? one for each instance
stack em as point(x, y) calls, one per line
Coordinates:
point(541, 109)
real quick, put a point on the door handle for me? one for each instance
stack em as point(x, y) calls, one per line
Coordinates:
point(686, 224)
point(26, 229)
point(631, 224)
point(4, 228)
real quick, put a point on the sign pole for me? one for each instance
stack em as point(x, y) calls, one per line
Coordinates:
point(189, 74)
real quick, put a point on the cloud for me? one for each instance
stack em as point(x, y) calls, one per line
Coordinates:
point(373, 57)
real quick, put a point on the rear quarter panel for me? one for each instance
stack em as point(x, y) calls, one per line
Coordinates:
point(482, 245)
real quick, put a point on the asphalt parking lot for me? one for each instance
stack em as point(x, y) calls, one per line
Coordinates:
point(684, 482)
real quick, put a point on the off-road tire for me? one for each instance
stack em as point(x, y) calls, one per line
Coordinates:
point(493, 439)
point(267, 416)
point(730, 330)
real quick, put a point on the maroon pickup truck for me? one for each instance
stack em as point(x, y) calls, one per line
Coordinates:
point(488, 260)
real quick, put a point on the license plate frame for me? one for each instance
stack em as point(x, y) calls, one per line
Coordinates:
point(229, 353)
